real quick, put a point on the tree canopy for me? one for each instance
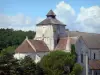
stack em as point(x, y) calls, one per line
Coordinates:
point(10, 37)
point(60, 63)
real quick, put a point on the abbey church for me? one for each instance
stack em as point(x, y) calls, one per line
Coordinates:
point(51, 35)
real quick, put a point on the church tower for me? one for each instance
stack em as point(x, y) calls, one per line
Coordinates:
point(50, 30)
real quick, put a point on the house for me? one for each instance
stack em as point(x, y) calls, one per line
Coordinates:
point(51, 35)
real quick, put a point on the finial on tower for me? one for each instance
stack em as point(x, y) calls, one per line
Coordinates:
point(51, 14)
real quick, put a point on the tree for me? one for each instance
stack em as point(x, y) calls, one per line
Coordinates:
point(10, 50)
point(60, 63)
point(10, 37)
point(39, 70)
point(57, 63)
point(27, 66)
point(77, 69)
point(8, 64)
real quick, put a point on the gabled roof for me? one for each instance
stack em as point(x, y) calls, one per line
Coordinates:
point(92, 40)
point(50, 20)
point(30, 46)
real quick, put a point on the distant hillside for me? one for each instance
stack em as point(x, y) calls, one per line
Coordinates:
point(10, 37)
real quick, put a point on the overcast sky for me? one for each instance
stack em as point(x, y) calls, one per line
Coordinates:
point(78, 15)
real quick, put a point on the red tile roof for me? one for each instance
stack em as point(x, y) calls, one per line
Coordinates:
point(94, 64)
point(39, 45)
point(62, 44)
point(25, 47)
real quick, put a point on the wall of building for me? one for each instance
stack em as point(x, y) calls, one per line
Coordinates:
point(59, 31)
point(35, 56)
point(49, 34)
point(45, 33)
point(81, 49)
point(95, 54)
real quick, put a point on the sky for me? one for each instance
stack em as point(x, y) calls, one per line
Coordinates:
point(78, 15)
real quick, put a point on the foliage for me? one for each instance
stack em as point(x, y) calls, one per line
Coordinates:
point(39, 70)
point(8, 64)
point(10, 37)
point(27, 66)
point(73, 51)
point(57, 63)
point(77, 69)
point(61, 63)
point(10, 50)
point(11, 66)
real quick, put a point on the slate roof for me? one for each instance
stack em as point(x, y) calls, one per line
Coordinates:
point(51, 19)
point(51, 13)
point(92, 40)
point(38, 45)
point(94, 64)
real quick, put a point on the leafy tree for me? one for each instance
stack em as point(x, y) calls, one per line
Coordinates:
point(10, 50)
point(73, 51)
point(39, 70)
point(8, 64)
point(27, 66)
point(57, 63)
point(10, 37)
point(77, 69)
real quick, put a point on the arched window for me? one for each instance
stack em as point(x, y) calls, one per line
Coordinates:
point(81, 58)
point(94, 55)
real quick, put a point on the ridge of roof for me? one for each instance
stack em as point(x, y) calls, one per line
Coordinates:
point(31, 45)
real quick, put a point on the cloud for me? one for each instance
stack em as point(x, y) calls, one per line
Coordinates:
point(17, 22)
point(89, 19)
point(66, 14)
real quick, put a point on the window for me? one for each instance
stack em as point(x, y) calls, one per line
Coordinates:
point(94, 55)
point(58, 40)
point(81, 58)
